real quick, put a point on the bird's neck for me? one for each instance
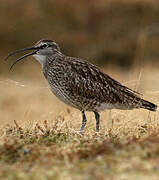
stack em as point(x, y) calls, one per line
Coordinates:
point(41, 59)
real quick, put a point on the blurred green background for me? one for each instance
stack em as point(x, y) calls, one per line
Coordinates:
point(116, 32)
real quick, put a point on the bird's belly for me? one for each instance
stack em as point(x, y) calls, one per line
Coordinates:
point(104, 106)
point(61, 95)
point(83, 104)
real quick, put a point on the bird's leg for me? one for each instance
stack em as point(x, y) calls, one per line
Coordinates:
point(97, 116)
point(84, 120)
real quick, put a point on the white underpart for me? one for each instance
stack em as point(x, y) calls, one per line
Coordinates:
point(41, 59)
point(104, 106)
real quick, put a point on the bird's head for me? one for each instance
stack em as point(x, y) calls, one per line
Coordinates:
point(40, 50)
point(46, 47)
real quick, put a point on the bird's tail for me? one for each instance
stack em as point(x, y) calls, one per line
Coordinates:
point(148, 105)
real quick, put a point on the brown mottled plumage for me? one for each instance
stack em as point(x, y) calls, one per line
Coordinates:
point(81, 84)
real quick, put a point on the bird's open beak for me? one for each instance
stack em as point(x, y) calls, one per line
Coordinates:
point(22, 57)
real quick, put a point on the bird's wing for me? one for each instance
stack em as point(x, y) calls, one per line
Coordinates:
point(87, 80)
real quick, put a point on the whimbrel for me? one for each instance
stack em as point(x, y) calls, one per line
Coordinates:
point(81, 84)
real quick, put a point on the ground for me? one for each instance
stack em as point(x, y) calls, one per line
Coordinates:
point(39, 136)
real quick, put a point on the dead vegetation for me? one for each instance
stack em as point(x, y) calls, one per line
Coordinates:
point(49, 152)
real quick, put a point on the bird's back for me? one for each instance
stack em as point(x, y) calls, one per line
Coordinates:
point(83, 86)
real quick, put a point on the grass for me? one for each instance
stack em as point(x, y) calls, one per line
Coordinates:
point(46, 152)
point(39, 136)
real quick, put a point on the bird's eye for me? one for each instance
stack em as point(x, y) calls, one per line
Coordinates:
point(44, 45)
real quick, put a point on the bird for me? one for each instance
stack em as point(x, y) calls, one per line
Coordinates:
point(80, 84)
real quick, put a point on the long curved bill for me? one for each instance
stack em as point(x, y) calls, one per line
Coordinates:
point(22, 57)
